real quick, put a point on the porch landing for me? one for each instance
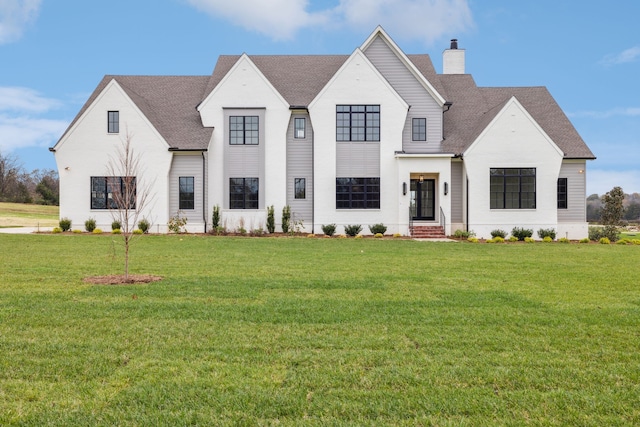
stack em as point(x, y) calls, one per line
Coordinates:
point(427, 232)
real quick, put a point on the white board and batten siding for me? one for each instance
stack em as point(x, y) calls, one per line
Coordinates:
point(300, 165)
point(411, 90)
point(188, 165)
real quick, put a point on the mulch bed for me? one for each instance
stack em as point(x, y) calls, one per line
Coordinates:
point(118, 279)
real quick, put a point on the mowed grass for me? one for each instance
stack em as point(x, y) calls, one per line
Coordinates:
point(24, 215)
point(297, 331)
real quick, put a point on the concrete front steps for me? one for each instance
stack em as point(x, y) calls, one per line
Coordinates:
point(427, 232)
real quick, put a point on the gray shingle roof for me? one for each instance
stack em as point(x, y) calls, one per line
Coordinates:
point(170, 102)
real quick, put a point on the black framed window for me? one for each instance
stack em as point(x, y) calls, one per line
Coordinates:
point(186, 192)
point(113, 121)
point(419, 129)
point(243, 193)
point(299, 127)
point(562, 193)
point(358, 123)
point(513, 188)
point(112, 192)
point(357, 193)
point(243, 130)
point(300, 188)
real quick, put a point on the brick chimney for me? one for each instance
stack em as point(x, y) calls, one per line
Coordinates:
point(453, 59)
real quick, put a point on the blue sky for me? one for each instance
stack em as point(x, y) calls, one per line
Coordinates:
point(54, 52)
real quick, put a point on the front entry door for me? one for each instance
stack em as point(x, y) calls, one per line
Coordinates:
point(423, 199)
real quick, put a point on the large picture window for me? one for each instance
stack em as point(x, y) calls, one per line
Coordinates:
point(357, 193)
point(358, 123)
point(562, 193)
point(186, 193)
point(112, 192)
point(513, 188)
point(243, 193)
point(243, 130)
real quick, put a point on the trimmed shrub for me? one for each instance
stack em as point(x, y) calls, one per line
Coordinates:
point(636, 241)
point(56, 230)
point(116, 225)
point(215, 217)
point(65, 224)
point(564, 240)
point(138, 231)
point(547, 239)
point(472, 239)
point(359, 236)
point(529, 239)
point(623, 242)
point(329, 229)
point(342, 236)
point(76, 231)
point(521, 233)
point(271, 219)
point(496, 239)
point(144, 225)
point(498, 233)
point(513, 239)
point(97, 231)
point(463, 234)
point(585, 240)
point(352, 230)
point(396, 235)
point(90, 224)
point(547, 232)
point(378, 235)
point(604, 241)
point(595, 233)
point(286, 218)
point(378, 228)
point(116, 231)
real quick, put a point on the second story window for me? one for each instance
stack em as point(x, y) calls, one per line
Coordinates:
point(419, 129)
point(113, 121)
point(299, 128)
point(243, 130)
point(357, 123)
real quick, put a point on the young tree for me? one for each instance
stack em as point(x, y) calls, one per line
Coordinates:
point(612, 207)
point(129, 195)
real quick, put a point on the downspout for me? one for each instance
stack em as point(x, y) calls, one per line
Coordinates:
point(204, 192)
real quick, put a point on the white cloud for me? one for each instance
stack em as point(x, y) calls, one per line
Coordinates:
point(21, 132)
point(614, 112)
point(24, 99)
point(21, 121)
point(424, 20)
point(600, 181)
point(629, 55)
point(15, 15)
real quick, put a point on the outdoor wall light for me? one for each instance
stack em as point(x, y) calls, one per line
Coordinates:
point(404, 188)
point(446, 188)
point(421, 178)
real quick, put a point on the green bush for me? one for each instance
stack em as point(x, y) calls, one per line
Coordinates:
point(215, 217)
point(329, 229)
point(472, 239)
point(636, 241)
point(144, 225)
point(498, 233)
point(608, 231)
point(116, 225)
point(529, 239)
point(513, 239)
point(56, 230)
point(90, 224)
point(378, 228)
point(286, 218)
point(76, 231)
point(496, 239)
point(547, 239)
point(565, 240)
point(116, 231)
point(547, 232)
point(138, 231)
point(271, 220)
point(352, 230)
point(176, 223)
point(378, 235)
point(604, 241)
point(521, 233)
point(463, 234)
point(65, 224)
point(97, 231)
point(584, 240)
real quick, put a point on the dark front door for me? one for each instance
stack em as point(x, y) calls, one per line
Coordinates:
point(423, 199)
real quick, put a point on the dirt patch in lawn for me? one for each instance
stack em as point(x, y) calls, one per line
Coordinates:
point(118, 279)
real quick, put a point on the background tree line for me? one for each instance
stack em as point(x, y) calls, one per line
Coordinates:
point(630, 207)
point(19, 186)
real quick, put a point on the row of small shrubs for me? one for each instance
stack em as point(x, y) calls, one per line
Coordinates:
point(90, 226)
point(520, 234)
point(353, 230)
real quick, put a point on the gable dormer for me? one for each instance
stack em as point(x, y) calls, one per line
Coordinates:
point(423, 128)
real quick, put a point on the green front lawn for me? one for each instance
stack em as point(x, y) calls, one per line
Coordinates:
point(297, 331)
